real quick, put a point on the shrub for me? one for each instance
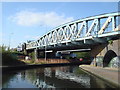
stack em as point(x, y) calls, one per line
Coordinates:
point(32, 55)
point(82, 54)
point(9, 58)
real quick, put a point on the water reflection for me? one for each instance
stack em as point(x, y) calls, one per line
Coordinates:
point(52, 77)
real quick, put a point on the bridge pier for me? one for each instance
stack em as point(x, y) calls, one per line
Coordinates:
point(108, 54)
point(41, 54)
point(51, 54)
point(36, 54)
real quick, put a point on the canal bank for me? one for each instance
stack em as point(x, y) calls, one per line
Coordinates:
point(110, 75)
point(30, 66)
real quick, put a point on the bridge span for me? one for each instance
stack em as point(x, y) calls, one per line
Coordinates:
point(100, 34)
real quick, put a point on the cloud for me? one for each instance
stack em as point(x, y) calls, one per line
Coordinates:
point(27, 36)
point(32, 37)
point(30, 18)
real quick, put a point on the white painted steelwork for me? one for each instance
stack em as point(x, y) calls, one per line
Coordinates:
point(83, 29)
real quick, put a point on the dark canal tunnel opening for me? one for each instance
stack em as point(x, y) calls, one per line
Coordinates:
point(108, 57)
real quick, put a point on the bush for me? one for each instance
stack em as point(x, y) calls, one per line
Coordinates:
point(32, 55)
point(9, 58)
point(82, 54)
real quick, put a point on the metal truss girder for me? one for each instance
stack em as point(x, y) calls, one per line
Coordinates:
point(91, 28)
point(117, 28)
point(86, 41)
point(77, 43)
point(98, 16)
point(115, 33)
point(50, 46)
point(59, 44)
point(105, 25)
point(69, 45)
point(100, 40)
point(78, 31)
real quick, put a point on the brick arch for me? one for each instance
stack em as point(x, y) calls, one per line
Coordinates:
point(108, 57)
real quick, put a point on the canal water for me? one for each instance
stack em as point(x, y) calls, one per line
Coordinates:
point(52, 77)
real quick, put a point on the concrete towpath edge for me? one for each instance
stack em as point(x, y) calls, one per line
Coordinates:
point(87, 69)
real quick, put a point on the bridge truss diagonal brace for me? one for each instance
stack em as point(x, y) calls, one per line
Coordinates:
point(72, 29)
point(80, 30)
point(64, 34)
point(109, 19)
point(113, 23)
point(91, 27)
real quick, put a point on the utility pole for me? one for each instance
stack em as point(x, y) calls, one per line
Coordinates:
point(45, 54)
point(45, 45)
point(10, 39)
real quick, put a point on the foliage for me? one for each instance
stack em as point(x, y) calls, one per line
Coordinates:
point(82, 54)
point(42, 63)
point(29, 61)
point(110, 41)
point(9, 58)
point(32, 55)
point(68, 57)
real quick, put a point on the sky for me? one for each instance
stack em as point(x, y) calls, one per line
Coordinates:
point(22, 21)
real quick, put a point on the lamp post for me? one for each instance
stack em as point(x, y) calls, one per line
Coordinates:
point(10, 39)
point(45, 54)
point(45, 45)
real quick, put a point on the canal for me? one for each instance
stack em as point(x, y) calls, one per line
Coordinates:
point(52, 77)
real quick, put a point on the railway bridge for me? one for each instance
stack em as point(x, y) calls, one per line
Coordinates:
point(100, 35)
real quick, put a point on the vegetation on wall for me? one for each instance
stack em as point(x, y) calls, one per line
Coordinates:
point(110, 41)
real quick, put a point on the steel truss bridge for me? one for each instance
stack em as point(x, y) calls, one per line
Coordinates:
point(86, 31)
